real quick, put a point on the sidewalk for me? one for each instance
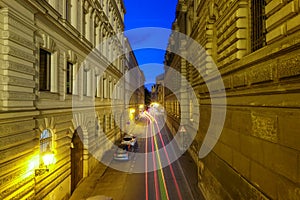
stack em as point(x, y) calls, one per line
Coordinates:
point(88, 184)
point(191, 173)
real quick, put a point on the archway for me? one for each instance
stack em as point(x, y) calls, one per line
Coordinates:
point(76, 159)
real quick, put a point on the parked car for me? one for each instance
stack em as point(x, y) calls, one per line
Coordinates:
point(130, 141)
point(121, 153)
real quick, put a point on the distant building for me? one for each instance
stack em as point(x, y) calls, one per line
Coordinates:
point(134, 87)
point(255, 46)
point(157, 89)
point(160, 88)
point(44, 70)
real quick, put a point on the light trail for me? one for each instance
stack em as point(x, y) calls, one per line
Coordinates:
point(155, 171)
point(182, 172)
point(168, 159)
point(153, 160)
point(161, 169)
point(146, 165)
point(162, 182)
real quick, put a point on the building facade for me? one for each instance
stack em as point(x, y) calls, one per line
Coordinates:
point(255, 47)
point(56, 112)
point(134, 87)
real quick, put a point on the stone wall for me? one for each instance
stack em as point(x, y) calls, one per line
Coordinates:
point(257, 154)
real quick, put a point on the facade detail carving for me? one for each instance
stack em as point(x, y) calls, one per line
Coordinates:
point(264, 127)
point(289, 67)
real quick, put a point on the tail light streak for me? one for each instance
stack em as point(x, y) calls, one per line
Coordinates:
point(151, 118)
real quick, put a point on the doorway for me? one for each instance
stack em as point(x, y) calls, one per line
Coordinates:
point(76, 159)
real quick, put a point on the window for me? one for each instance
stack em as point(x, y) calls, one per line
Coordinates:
point(45, 143)
point(84, 83)
point(96, 86)
point(109, 122)
point(104, 123)
point(114, 121)
point(114, 91)
point(68, 10)
point(45, 70)
point(69, 78)
point(84, 23)
point(104, 89)
point(258, 20)
point(97, 133)
point(110, 90)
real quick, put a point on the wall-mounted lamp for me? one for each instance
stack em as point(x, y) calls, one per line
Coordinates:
point(132, 110)
point(47, 159)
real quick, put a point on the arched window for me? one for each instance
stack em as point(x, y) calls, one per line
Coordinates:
point(46, 141)
point(46, 148)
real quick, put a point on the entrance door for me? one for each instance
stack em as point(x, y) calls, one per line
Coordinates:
point(76, 161)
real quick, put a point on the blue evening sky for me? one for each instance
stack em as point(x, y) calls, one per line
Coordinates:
point(149, 13)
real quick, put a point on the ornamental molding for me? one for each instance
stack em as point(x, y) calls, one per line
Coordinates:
point(80, 120)
point(72, 57)
point(46, 123)
point(45, 41)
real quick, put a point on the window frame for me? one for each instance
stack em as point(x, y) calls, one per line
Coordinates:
point(85, 82)
point(45, 83)
point(258, 24)
point(45, 143)
point(68, 10)
point(69, 78)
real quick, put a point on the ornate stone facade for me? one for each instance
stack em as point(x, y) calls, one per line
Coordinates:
point(257, 155)
point(44, 66)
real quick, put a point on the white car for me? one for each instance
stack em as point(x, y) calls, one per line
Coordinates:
point(129, 140)
point(121, 153)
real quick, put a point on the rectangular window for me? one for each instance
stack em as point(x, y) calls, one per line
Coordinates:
point(110, 90)
point(69, 78)
point(258, 22)
point(68, 10)
point(45, 70)
point(104, 123)
point(110, 125)
point(84, 83)
point(96, 86)
point(83, 23)
point(104, 89)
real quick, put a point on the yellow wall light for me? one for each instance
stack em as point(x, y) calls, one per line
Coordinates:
point(47, 159)
point(132, 110)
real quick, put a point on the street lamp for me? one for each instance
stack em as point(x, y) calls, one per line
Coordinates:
point(47, 160)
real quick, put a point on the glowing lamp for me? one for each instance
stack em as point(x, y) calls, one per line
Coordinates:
point(48, 159)
point(132, 110)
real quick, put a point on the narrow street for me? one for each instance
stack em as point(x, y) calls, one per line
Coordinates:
point(175, 181)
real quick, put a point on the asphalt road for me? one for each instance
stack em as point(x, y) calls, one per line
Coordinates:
point(175, 181)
